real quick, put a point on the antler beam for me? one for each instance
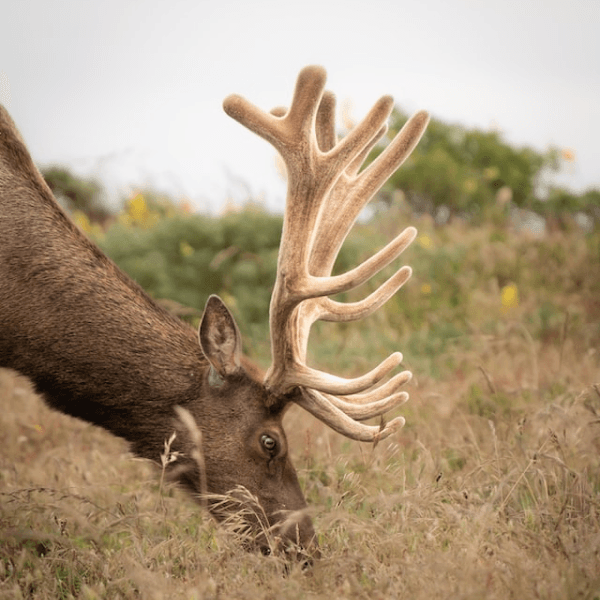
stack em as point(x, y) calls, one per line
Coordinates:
point(326, 193)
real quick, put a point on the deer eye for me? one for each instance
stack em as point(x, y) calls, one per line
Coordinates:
point(268, 443)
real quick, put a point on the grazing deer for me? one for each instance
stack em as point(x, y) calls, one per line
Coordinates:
point(97, 347)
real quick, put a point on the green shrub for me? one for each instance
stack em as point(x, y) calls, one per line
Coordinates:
point(466, 280)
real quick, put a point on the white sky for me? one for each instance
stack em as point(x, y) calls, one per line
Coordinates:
point(131, 90)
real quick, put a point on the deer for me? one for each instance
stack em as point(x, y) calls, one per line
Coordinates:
point(99, 348)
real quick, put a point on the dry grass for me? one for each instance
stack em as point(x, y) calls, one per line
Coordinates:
point(492, 490)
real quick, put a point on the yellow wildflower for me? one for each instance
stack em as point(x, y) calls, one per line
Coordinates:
point(470, 185)
point(82, 221)
point(138, 207)
point(491, 173)
point(185, 249)
point(424, 241)
point(509, 296)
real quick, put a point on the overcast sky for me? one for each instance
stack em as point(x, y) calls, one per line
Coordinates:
point(131, 90)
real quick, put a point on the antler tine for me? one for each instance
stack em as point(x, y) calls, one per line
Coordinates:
point(326, 192)
point(389, 387)
point(361, 136)
point(399, 149)
point(339, 421)
point(362, 412)
point(361, 407)
point(353, 311)
point(325, 123)
point(307, 97)
point(324, 254)
point(286, 132)
point(326, 286)
point(350, 194)
point(263, 124)
point(325, 382)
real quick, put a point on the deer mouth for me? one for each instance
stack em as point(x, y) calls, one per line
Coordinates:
point(285, 533)
point(289, 550)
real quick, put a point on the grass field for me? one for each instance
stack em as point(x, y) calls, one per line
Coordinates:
point(492, 490)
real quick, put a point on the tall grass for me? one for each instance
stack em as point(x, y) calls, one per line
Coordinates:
point(492, 490)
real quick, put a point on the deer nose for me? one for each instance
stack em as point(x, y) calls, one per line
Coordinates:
point(297, 538)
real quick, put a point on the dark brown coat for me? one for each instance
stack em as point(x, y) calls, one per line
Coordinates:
point(97, 347)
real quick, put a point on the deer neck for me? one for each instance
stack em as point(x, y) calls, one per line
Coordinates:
point(91, 340)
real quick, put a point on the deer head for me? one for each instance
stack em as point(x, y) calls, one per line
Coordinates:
point(98, 348)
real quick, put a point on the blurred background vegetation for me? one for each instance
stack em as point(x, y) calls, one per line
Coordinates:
point(498, 244)
point(490, 490)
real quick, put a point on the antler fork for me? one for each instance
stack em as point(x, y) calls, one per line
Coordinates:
point(326, 193)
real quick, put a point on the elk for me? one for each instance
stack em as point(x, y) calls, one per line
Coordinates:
point(97, 347)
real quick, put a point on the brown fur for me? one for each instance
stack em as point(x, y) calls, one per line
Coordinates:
point(97, 347)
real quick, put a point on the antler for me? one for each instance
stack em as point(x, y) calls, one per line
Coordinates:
point(325, 195)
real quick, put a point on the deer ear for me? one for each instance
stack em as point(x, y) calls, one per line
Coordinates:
point(220, 338)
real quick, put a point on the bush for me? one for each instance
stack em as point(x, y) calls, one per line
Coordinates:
point(466, 280)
